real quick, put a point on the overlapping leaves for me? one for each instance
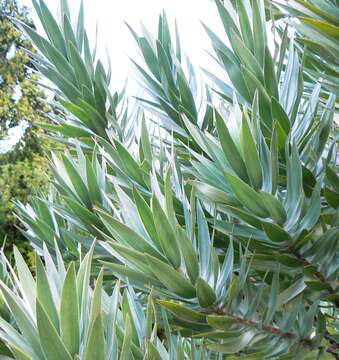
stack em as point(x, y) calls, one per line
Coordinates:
point(229, 216)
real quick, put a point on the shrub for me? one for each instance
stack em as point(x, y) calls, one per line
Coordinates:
point(225, 215)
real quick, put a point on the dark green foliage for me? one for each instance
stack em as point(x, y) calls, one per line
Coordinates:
point(23, 168)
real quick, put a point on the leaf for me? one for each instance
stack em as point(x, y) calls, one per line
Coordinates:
point(18, 353)
point(251, 155)
point(218, 335)
point(177, 42)
point(265, 107)
point(309, 319)
point(79, 67)
point(172, 279)
point(204, 241)
point(126, 236)
point(166, 234)
point(146, 216)
point(189, 254)
point(96, 300)
point(129, 308)
point(271, 82)
point(165, 68)
point(246, 57)
point(133, 276)
point(226, 14)
point(77, 181)
point(241, 214)
point(291, 292)
point(322, 26)
point(130, 256)
point(26, 278)
point(69, 312)
point(294, 183)
point(332, 197)
point(130, 166)
point(245, 25)
point(258, 24)
point(80, 26)
point(272, 299)
point(233, 68)
point(332, 178)
point(182, 312)
point(52, 53)
point(247, 196)
point(149, 56)
point(60, 80)
point(68, 32)
point(83, 278)
point(274, 151)
point(276, 233)
point(152, 352)
point(206, 295)
point(95, 346)
point(227, 267)
point(213, 194)
point(53, 346)
point(275, 207)
point(93, 185)
point(221, 322)
point(44, 293)
point(234, 345)
point(169, 198)
point(51, 27)
point(125, 349)
point(129, 212)
point(282, 51)
point(145, 142)
point(239, 230)
point(230, 150)
point(82, 116)
point(313, 213)
point(280, 115)
point(186, 95)
point(149, 316)
point(23, 321)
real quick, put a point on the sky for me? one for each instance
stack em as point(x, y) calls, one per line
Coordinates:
point(115, 38)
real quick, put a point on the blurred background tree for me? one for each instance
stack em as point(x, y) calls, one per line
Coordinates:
point(22, 106)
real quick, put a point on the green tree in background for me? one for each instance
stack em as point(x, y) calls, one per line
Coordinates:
point(21, 104)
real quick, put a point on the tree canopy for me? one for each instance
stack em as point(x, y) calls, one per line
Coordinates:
point(22, 104)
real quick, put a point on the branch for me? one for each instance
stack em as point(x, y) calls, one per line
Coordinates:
point(267, 328)
point(333, 345)
point(318, 274)
point(285, 334)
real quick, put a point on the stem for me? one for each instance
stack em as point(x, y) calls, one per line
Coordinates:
point(333, 345)
point(318, 274)
point(267, 328)
point(276, 331)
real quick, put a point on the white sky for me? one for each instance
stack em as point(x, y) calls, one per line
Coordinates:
point(114, 36)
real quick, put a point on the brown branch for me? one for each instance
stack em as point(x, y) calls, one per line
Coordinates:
point(267, 328)
point(307, 342)
point(333, 345)
point(318, 274)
